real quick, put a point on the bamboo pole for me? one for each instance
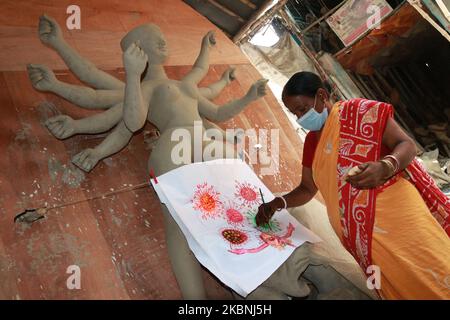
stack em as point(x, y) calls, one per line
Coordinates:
point(293, 27)
point(329, 13)
point(258, 18)
point(418, 6)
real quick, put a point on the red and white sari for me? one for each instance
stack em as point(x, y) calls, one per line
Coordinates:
point(362, 123)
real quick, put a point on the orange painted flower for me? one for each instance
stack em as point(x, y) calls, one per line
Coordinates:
point(206, 199)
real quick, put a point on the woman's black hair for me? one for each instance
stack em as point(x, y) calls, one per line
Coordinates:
point(305, 84)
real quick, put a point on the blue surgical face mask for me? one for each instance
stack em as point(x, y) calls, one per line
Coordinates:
point(312, 120)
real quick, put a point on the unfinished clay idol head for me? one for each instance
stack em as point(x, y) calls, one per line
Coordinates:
point(152, 41)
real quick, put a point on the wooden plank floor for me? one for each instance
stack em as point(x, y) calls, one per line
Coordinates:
point(117, 241)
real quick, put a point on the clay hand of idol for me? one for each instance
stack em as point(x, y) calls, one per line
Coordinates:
point(257, 90)
point(42, 78)
point(209, 40)
point(367, 175)
point(229, 75)
point(135, 59)
point(49, 31)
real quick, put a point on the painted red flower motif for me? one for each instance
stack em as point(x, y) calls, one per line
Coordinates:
point(207, 200)
point(234, 216)
point(247, 194)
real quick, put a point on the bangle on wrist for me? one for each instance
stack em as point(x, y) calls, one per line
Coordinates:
point(395, 162)
point(285, 203)
point(390, 166)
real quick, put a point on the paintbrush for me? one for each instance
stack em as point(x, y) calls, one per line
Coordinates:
point(264, 206)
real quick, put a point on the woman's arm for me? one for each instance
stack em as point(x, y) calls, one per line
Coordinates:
point(297, 197)
point(300, 195)
point(402, 146)
point(375, 173)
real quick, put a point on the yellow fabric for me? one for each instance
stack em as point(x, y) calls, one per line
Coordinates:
point(408, 244)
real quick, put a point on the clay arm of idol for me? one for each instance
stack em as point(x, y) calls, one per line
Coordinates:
point(212, 91)
point(43, 79)
point(63, 126)
point(375, 173)
point(113, 143)
point(297, 197)
point(201, 65)
point(50, 34)
point(229, 110)
point(135, 106)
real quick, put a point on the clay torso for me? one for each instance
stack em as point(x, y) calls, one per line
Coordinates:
point(172, 104)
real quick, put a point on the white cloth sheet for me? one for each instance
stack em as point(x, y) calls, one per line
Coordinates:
point(214, 204)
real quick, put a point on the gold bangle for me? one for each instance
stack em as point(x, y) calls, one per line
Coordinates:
point(390, 167)
point(396, 163)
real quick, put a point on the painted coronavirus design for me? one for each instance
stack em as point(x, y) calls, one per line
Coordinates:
point(235, 237)
point(269, 240)
point(233, 214)
point(206, 199)
point(247, 194)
